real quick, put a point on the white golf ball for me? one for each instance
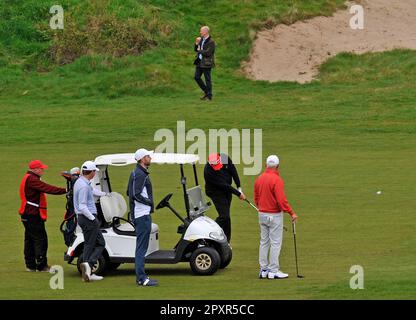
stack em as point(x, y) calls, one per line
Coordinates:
point(379, 192)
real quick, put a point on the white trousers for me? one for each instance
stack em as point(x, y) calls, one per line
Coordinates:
point(271, 236)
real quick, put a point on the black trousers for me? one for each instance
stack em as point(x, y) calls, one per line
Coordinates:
point(207, 86)
point(94, 242)
point(36, 242)
point(222, 203)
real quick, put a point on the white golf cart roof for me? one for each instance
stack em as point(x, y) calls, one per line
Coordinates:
point(124, 159)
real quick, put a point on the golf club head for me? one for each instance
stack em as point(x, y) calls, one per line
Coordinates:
point(300, 276)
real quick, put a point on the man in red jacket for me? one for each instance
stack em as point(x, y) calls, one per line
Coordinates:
point(270, 198)
point(33, 211)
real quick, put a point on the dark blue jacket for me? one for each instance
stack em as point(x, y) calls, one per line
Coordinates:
point(139, 178)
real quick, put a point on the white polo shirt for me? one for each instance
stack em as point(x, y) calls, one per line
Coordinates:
point(141, 209)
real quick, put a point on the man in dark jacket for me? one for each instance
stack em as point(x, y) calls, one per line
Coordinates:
point(219, 173)
point(140, 193)
point(33, 211)
point(204, 62)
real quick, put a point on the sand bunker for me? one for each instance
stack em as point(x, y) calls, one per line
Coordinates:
point(295, 52)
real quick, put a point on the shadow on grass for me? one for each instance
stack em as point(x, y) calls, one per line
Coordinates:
point(158, 271)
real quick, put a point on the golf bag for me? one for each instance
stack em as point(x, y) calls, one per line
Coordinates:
point(69, 223)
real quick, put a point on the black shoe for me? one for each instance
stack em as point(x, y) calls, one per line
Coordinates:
point(209, 98)
point(147, 283)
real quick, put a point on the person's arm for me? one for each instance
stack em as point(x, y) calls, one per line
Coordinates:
point(98, 193)
point(138, 185)
point(222, 185)
point(197, 42)
point(129, 185)
point(281, 198)
point(83, 203)
point(234, 173)
point(256, 193)
point(208, 49)
point(41, 186)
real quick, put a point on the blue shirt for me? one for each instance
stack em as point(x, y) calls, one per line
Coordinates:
point(84, 198)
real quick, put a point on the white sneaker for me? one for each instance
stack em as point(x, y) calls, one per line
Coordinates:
point(263, 274)
point(94, 277)
point(278, 275)
point(86, 271)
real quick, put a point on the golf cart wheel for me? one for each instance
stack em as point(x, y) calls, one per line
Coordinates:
point(226, 261)
point(99, 268)
point(205, 261)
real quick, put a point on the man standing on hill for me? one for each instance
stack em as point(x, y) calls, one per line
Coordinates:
point(204, 62)
point(270, 198)
point(33, 211)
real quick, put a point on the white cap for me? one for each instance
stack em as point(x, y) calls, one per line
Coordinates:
point(89, 166)
point(272, 161)
point(141, 153)
point(75, 170)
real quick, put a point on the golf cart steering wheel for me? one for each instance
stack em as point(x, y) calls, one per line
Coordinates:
point(164, 202)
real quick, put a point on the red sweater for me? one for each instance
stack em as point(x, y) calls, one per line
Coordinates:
point(269, 194)
point(34, 186)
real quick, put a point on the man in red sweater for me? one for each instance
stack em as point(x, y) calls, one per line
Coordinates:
point(271, 201)
point(33, 211)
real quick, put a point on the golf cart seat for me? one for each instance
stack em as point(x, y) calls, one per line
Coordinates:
point(113, 206)
point(127, 228)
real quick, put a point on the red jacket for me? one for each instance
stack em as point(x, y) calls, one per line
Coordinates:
point(269, 194)
point(33, 189)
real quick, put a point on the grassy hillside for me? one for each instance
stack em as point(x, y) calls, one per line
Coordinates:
point(160, 55)
point(340, 140)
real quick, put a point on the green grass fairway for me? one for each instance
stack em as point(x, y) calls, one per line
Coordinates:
point(340, 140)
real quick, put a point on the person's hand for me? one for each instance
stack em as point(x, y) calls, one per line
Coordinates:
point(243, 196)
point(197, 40)
point(294, 218)
point(108, 194)
point(97, 222)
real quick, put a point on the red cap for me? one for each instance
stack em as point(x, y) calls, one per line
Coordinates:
point(37, 164)
point(214, 160)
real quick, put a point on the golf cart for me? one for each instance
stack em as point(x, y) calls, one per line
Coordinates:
point(202, 242)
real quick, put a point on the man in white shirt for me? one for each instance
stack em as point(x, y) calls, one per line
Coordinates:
point(140, 193)
point(86, 211)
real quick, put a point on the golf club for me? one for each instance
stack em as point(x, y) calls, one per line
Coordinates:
point(296, 252)
point(254, 207)
point(251, 204)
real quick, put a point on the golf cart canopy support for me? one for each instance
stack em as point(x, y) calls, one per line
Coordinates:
point(124, 159)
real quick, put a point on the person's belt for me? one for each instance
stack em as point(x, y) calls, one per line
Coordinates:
point(34, 204)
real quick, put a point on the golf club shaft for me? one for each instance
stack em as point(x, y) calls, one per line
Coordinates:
point(252, 205)
point(296, 251)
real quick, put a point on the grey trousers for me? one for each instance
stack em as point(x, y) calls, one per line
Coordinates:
point(271, 236)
